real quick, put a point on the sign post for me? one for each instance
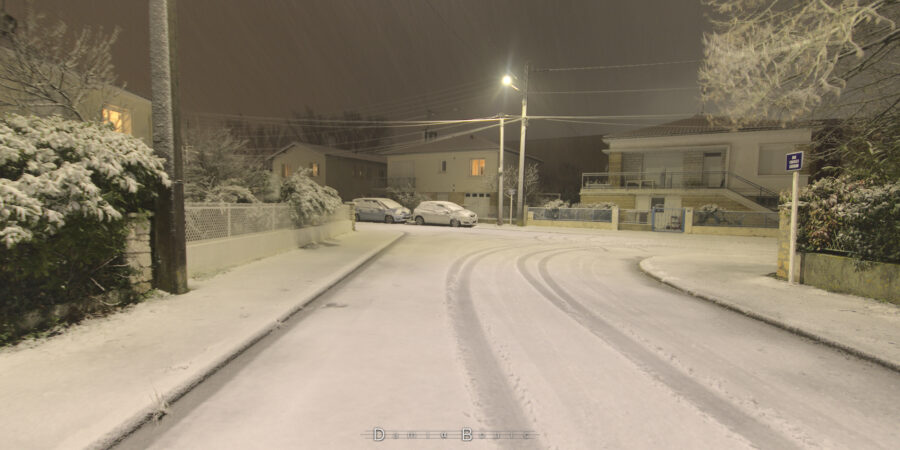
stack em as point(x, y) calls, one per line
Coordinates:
point(511, 193)
point(793, 163)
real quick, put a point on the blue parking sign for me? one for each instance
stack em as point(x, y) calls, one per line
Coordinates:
point(794, 161)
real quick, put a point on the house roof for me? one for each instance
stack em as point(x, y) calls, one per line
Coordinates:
point(700, 124)
point(464, 143)
point(330, 151)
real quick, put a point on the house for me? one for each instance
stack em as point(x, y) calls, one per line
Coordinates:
point(692, 162)
point(351, 174)
point(129, 113)
point(460, 169)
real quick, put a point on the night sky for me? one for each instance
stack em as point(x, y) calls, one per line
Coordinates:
point(412, 59)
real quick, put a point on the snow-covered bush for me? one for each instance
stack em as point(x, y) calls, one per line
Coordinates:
point(406, 196)
point(555, 204)
point(310, 202)
point(601, 205)
point(66, 188)
point(710, 211)
point(858, 217)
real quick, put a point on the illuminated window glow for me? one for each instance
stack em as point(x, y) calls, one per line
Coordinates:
point(120, 118)
point(477, 167)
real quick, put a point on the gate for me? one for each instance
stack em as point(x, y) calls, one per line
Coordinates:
point(662, 219)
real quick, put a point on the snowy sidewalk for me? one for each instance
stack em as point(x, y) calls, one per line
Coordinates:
point(99, 379)
point(864, 327)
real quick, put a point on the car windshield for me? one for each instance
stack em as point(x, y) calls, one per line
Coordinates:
point(390, 204)
point(452, 206)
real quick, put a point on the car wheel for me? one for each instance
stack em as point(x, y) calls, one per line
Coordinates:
point(454, 223)
point(357, 217)
point(388, 219)
point(420, 220)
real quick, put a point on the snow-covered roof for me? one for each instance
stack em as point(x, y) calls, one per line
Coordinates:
point(701, 124)
point(330, 151)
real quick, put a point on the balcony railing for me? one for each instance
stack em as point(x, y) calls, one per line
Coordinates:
point(654, 180)
point(681, 180)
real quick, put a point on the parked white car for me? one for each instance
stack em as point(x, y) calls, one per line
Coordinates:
point(444, 213)
point(380, 210)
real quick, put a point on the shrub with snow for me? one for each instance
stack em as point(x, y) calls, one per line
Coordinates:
point(406, 196)
point(856, 216)
point(601, 205)
point(65, 191)
point(556, 204)
point(310, 202)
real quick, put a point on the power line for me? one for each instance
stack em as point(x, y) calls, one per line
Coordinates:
point(362, 123)
point(617, 91)
point(619, 66)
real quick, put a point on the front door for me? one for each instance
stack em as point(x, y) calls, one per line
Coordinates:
point(713, 175)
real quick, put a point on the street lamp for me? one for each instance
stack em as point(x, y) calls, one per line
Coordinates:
point(520, 198)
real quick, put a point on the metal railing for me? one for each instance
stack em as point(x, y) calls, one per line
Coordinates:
point(220, 220)
point(634, 216)
point(750, 219)
point(682, 180)
point(572, 214)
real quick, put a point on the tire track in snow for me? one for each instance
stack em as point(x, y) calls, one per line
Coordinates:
point(707, 401)
point(489, 384)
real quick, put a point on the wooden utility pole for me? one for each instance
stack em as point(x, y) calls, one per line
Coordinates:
point(169, 246)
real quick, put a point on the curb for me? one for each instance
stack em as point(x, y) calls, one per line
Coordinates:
point(136, 421)
point(891, 365)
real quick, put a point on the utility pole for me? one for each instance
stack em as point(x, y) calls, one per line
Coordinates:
point(169, 246)
point(521, 193)
point(500, 178)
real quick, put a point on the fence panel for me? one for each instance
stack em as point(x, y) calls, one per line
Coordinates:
point(634, 216)
point(750, 219)
point(214, 221)
point(572, 214)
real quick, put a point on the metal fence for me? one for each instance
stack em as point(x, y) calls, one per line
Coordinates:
point(221, 220)
point(752, 219)
point(572, 214)
point(634, 216)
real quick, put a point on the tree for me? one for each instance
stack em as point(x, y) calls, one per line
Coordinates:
point(44, 71)
point(218, 169)
point(511, 181)
point(349, 131)
point(811, 59)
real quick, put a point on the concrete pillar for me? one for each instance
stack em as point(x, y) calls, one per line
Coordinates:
point(688, 220)
point(615, 218)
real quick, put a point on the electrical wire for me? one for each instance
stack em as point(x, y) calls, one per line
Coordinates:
point(617, 91)
point(619, 66)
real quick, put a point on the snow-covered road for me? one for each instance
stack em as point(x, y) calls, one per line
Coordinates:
point(558, 334)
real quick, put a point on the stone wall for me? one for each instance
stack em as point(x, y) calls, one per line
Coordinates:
point(137, 253)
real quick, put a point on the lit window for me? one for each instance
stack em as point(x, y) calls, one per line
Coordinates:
point(477, 167)
point(285, 171)
point(314, 169)
point(119, 118)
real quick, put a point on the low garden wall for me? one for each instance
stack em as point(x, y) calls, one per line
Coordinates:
point(837, 273)
point(255, 239)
